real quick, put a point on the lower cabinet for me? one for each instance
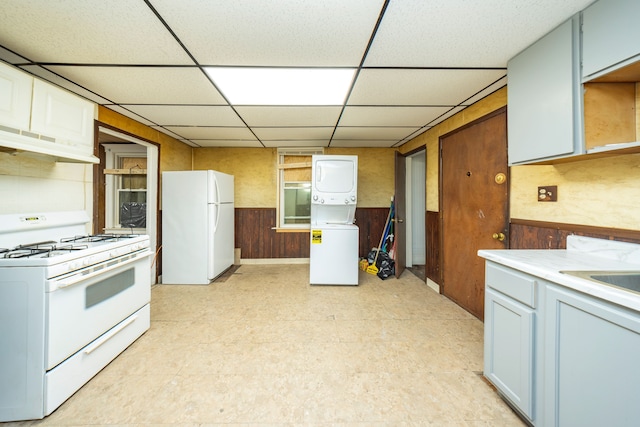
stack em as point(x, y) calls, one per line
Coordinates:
point(510, 336)
point(509, 344)
point(591, 366)
point(559, 357)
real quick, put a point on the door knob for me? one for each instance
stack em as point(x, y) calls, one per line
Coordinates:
point(499, 236)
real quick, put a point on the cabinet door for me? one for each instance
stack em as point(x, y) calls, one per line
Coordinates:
point(15, 97)
point(544, 108)
point(62, 115)
point(610, 34)
point(508, 349)
point(591, 362)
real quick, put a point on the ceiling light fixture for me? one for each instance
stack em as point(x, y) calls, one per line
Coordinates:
point(282, 86)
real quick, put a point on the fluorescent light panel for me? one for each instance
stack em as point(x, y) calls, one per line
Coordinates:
point(282, 86)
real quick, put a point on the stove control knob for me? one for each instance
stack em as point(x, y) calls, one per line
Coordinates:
point(353, 198)
point(321, 200)
point(315, 197)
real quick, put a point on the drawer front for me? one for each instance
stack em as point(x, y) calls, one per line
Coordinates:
point(519, 286)
point(63, 381)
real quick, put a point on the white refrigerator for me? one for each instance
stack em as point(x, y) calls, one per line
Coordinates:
point(197, 226)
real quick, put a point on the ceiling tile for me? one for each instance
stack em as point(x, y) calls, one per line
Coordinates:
point(390, 116)
point(213, 133)
point(428, 60)
point(419, 87)
point(294, 133)
point(291, 33)
point(99, 32)
point(145, 85)
point(354, 143)
point(187, 115)
point(460, 33)
point(373, 133)
point(131, 115)
point(296, 143)
point(487, 91)
point(446, 115)
point(236, 143)
point(49, 76)
point(289, 116)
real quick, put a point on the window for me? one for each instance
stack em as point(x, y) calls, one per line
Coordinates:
point(126, 188)
point(294, 186)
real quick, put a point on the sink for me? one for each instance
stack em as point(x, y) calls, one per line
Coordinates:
point(628, 280)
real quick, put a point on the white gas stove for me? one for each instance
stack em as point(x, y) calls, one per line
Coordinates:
point(69, 302)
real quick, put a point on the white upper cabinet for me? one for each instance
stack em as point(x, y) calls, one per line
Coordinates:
point(67, 117)
point(611, 36)
point(544, 103)
point(38, 117)
point(15, 97)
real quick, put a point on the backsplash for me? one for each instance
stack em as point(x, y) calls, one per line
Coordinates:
point(29, 184)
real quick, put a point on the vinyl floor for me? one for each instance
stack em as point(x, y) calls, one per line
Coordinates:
point(264, 348)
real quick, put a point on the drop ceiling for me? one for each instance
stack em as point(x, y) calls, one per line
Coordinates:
point(416, 62)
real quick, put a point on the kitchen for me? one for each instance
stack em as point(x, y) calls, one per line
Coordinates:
point(585, 186)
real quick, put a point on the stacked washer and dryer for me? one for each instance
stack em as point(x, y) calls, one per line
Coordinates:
point(334, 236)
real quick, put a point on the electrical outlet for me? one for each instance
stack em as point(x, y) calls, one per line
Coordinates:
point(548, 193)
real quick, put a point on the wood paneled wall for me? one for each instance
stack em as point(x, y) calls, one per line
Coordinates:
point(526, 234)
point(256, 238)
point(432, 228)
point(371, 223)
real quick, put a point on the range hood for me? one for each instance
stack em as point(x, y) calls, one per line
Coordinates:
point(16, 141)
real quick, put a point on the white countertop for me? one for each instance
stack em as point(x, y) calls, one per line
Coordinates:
point(582, 253)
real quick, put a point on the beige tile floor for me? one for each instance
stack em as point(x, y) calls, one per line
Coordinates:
point(266, 348)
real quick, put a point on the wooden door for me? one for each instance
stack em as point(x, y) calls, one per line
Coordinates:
point(473, 206)
point(400, 229)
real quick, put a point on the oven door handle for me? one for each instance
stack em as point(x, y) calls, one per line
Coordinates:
point(112, 333)
point(77, 278)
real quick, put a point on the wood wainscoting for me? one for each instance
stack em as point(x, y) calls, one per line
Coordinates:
point(256, 237)
point(432, 229)
point(526, 234)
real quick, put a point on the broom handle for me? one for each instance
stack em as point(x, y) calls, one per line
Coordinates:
point(382, 237)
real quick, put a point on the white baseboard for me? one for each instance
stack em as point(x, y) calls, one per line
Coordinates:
point(433, 285)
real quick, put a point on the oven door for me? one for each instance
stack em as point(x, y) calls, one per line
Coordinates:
point(85, 304)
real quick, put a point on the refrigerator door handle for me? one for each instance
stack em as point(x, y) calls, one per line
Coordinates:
point(216, 216)
point(217, 191)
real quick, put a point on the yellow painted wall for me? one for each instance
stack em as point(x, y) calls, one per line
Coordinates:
point(254, 169)
point(174, 155)
point(430, 140)
point(255, 173)
point(375, 174)
point(601, 192)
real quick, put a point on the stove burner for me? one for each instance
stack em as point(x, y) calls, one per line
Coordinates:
point(46, 249)
point(36, 245)
point(98, 238)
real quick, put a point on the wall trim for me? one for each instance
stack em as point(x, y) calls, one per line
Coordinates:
point(578, 228)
